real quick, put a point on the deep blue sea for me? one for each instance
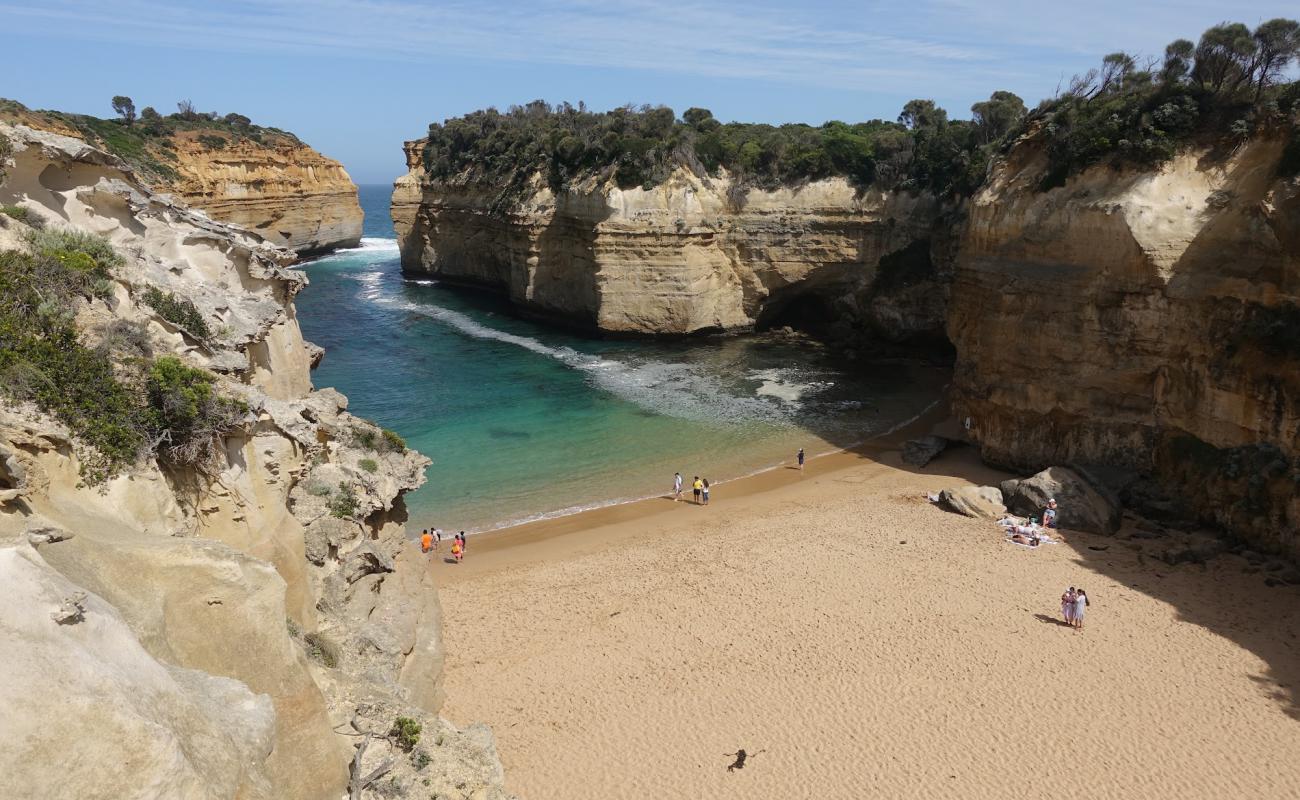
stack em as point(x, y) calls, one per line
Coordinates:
point(523, 421)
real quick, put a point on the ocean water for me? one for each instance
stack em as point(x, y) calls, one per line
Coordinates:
point(523, 421)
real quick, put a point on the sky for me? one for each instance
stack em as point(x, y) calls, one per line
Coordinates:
point(355, 78)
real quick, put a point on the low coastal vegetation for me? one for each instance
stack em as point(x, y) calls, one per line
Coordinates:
point(120, 403)
point(178, 311)
point(147, 140)
point(1220, 90)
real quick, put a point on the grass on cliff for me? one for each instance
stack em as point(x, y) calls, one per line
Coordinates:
point(119, 403)
point(147, 143)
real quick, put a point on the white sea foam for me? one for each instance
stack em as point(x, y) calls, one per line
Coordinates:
point(678, 390)
point(372, 243)
point(372, 248)
point(781, 384)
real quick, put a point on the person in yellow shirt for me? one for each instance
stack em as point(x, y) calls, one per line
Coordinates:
point(696, 488)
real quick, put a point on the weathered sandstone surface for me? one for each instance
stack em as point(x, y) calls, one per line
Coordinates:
point(185, 634)
point(283, 190)
point(1145, 320)
point(263, 179)
point(688, 256)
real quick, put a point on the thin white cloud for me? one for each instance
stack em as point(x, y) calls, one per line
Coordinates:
point(919, 47)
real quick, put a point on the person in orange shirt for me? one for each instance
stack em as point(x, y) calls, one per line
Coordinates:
point(456, 550)
point(426, 541)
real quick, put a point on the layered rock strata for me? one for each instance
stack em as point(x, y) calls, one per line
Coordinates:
point(283, 190)
point(1145, 320)
point(691, 255)
point(225, 634)
point(263, 179)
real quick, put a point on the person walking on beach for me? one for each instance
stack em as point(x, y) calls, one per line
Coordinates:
point(677, 486)
point(704, 491)
point(1067, 606)
point(426, 540)
point(457, 552)
point(800, 457)
point(437, 539)
point(1080, 608)
point(696, 487)
point(461, 538)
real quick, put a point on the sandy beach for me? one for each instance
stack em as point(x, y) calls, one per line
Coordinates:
point(864, 644)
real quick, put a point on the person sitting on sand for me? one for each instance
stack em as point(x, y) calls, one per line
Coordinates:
point(1080, 607)
point(1049, 514)
point(1067, 606)
point(696, 487)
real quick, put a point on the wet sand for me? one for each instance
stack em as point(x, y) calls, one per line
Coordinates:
point(869, 645)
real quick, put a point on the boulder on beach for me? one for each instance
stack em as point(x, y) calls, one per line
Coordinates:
point(1082, 505)
point(919, 452)
point(983, 502)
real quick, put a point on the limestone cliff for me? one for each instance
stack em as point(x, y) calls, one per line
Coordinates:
point(694, 254)
point(1141, 319)
point(223, 633)
point(280, 188)
point(263, 179)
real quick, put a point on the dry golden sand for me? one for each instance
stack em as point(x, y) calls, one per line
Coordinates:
point(869, 645)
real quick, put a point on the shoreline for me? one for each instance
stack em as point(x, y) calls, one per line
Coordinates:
point(517, 542)
point(872, 445)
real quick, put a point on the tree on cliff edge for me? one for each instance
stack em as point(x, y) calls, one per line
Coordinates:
point(125, 108)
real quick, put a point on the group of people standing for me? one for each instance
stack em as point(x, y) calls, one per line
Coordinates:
point(431, 541)
point(699, 489)
point(700, 486)
point(1074, 604)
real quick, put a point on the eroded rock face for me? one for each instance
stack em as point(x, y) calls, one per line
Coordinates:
point(1140, 319)
point(262, 179)
point(690, 255)
point(286, 192)
point(209, 601)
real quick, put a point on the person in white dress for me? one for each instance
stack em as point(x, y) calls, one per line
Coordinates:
point(1067, 606)
point(1080, 608)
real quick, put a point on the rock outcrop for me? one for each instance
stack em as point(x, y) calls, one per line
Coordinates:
point(691, 255)
point(280, 188)
point(263, 179)
point(207, 633)
point(1140, 319)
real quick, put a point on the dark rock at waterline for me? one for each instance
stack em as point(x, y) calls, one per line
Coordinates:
point(919, 452)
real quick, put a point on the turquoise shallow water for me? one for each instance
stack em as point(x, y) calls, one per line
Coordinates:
point(523, 421)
